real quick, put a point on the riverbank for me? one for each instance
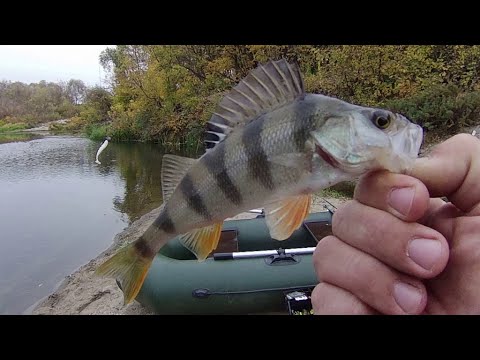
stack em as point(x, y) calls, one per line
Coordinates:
point(46, 126)
point(83, 293)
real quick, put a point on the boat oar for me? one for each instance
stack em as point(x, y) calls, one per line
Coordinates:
point(263, 253)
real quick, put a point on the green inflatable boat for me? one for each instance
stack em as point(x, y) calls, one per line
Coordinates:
point(249, 272)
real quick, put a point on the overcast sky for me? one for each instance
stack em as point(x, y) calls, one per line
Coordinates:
point(33, 63)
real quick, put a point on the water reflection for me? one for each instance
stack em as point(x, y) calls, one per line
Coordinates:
point(18, 136)
point(140, 167)
point(59, 209)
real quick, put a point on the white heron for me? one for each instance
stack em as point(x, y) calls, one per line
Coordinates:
point(102, 147)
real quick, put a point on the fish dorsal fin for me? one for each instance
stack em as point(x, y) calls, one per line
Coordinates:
point(202, 241)
point(174, 168)
point(285, 216)
point(264, 89)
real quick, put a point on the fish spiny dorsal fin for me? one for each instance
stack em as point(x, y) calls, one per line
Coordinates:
point(264, 89)
point(174, 168)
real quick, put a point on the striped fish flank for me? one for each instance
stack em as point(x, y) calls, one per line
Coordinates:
point(215, 162)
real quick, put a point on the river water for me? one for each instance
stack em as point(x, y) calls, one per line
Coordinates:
point(59, 209)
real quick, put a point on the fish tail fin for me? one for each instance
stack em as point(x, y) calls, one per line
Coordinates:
point(130, 267)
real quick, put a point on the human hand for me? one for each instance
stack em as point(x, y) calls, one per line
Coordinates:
point(397, 248)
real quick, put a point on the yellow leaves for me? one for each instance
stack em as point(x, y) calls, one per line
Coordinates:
point(220, 65)
point(372, 74)
point(168, 90)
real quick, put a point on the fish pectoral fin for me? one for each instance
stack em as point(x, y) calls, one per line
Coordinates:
point(202, 241)
point(285, 216)
point(174, 168)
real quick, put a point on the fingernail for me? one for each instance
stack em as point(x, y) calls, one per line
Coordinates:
point(407, 297)
point(425, 252)
point(401, 199)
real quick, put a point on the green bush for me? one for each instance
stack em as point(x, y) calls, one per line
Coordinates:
point(122, 133)
point(440, 107)
point(96, 132)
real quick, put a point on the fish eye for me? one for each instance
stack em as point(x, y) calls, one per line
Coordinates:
point(382, 121)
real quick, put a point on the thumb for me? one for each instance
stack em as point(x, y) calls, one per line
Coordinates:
point(452, 169)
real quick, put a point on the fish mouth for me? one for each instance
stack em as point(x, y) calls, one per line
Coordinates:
point(326, 156)
point(408, 141)
point(405, 147)
point(355, 167)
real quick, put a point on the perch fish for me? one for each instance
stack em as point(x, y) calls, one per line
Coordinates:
point(272, 145)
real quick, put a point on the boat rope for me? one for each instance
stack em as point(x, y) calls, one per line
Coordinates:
point(204, 293)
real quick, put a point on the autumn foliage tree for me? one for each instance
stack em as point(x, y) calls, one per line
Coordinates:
point(39, 102)
point(167, 93)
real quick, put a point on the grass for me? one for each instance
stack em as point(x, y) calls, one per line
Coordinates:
point(6, 137)
point(343, 190)
point(12, 127)
point(76, 125)
point(190, 143)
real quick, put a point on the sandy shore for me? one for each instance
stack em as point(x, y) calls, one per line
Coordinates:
point(83, 293)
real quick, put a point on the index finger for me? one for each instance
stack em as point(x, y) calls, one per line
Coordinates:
point(402, 196)
point(452, 169)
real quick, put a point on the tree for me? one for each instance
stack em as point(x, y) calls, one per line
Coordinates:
point(75, 91)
